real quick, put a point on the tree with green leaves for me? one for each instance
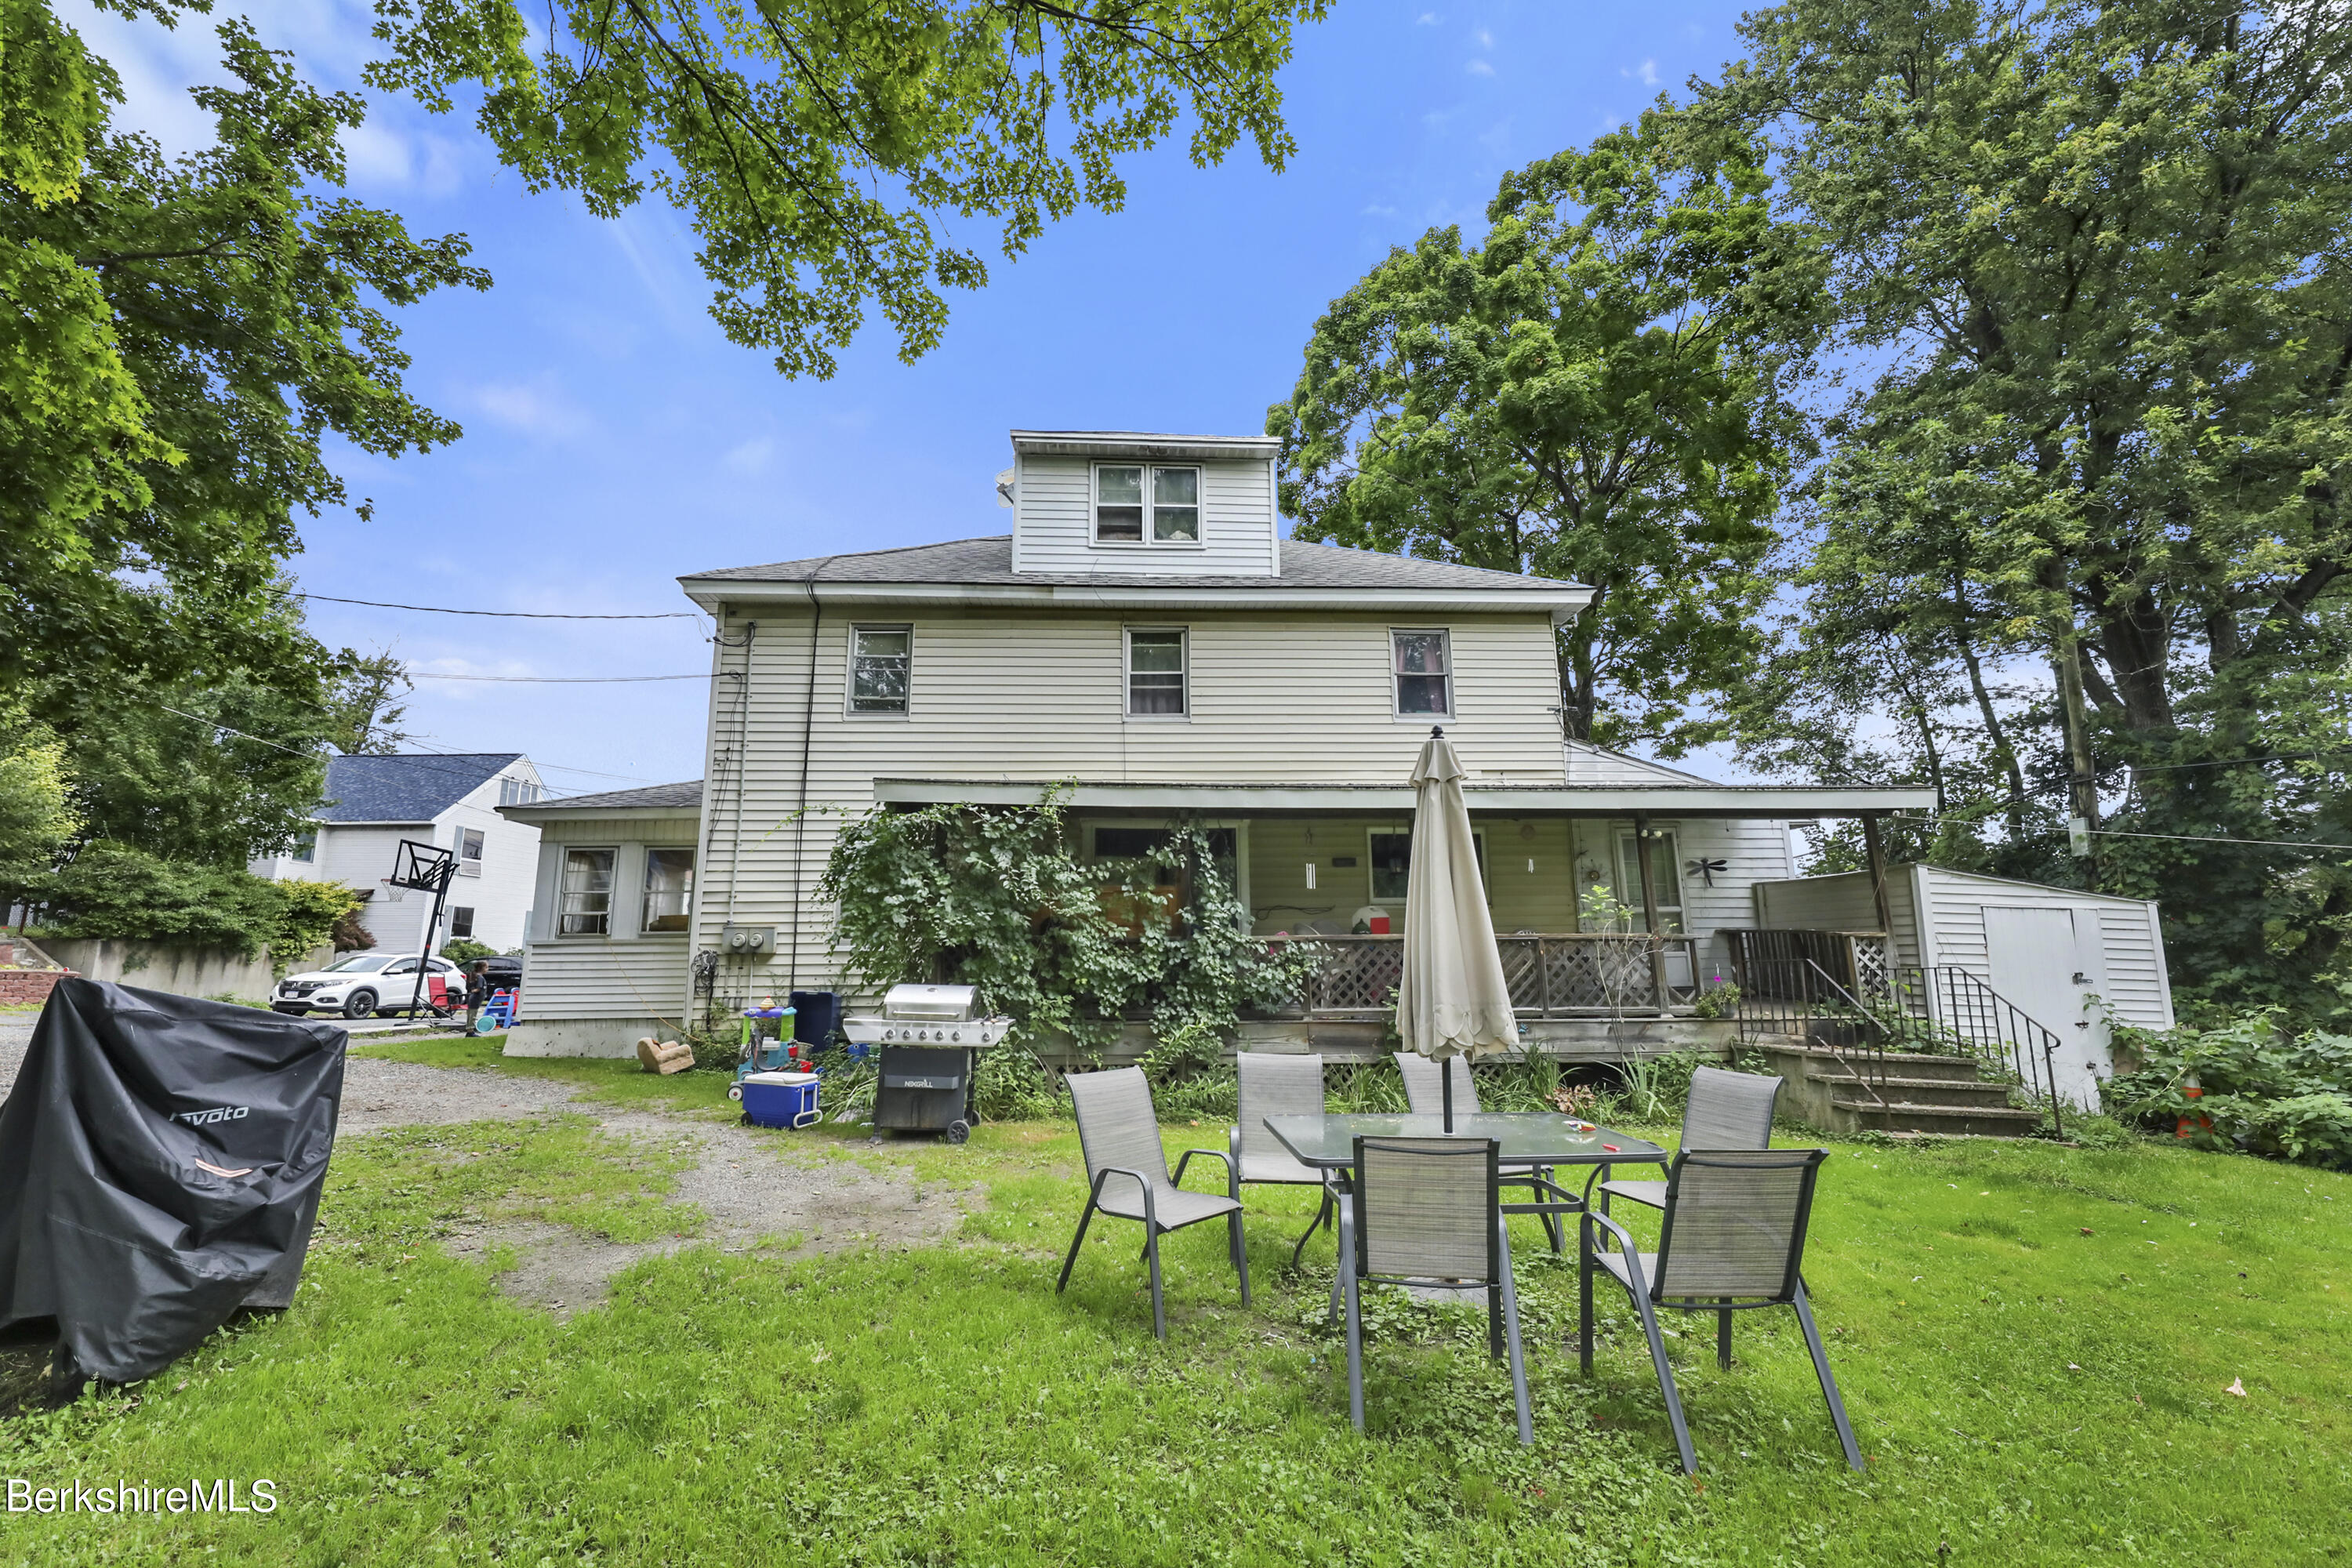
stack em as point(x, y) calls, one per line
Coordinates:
point(826, 149)
point(1591, 393)
point(2087, 272)
point(185, 335)
point(365, 696)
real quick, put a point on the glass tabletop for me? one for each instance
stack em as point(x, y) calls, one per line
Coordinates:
point(1545, 1138)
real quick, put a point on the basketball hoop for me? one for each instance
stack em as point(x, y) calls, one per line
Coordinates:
point(427, 868)
point(393, 891)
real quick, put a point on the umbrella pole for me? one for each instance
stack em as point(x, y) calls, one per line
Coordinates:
point(1446, 1072)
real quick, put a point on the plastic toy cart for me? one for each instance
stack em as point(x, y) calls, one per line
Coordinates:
point(767, 1045)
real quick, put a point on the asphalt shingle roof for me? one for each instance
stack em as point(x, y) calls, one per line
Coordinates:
point(990, 560)
point(652, 797)
point(405, 787)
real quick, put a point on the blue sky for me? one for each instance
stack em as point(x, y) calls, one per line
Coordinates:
point(614, 439)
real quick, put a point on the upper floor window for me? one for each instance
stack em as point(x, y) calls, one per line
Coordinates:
point(1155, 674)
point(669, 889)
point(1141, 503)
point(1425, 673)
point(469, 844)
point(879, 661)
point(306, 849)
point(587, 892)
point(516, 792)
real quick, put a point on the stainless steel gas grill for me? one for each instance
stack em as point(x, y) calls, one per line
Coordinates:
point(930, 1043)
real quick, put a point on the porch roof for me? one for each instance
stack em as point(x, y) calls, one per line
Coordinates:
point(1770, 802)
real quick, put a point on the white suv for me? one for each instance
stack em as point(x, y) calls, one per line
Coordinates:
point(361, 983)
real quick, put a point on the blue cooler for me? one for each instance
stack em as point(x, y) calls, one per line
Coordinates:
point(779, 1099)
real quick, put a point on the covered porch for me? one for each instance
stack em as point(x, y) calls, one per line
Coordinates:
point(1613, 905)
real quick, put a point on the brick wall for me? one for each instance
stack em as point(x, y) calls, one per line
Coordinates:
point(27, 987)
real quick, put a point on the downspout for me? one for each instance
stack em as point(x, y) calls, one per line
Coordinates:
point(808, 731)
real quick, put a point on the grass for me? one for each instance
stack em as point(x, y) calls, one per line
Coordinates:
point(2035, 1343)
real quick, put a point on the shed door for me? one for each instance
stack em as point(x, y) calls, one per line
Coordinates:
point(2035, 956)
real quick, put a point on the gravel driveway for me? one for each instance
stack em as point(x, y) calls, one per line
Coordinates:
point(751, 1183)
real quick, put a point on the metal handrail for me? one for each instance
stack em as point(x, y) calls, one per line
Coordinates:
point(1963, 1009)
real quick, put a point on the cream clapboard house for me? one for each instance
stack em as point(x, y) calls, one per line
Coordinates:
point(1147, 636)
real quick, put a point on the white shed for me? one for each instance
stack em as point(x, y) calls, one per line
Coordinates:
point(2057, 953)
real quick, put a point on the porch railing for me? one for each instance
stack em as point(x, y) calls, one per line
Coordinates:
point(1841, 990)
point(1568, 975)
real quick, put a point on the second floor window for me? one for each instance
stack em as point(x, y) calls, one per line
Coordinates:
point(1425, 673)
point(1138, 504)
point(587, 892)
point(469, 844)
point(879, 661)
point(306, 849)
point(513, 791)
point(1155, 674)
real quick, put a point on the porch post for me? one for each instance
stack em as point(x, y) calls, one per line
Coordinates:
point(1650, 910)
point(1877, 856)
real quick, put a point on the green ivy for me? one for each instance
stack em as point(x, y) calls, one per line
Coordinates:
point(993, 897)
point(2252, 1084)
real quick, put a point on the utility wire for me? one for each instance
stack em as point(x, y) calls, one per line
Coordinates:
point(555, 679)
point(2201, 838)
point(504, 615)
point(297, 751)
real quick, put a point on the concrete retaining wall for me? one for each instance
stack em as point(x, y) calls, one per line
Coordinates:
point(168, 967)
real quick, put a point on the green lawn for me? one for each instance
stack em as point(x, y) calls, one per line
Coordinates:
point(2035, 1344)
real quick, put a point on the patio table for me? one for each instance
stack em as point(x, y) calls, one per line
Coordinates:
point(1542, 1137)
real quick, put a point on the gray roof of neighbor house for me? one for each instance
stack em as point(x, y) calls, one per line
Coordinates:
point(405, 787)
point(990, 562)
point(686, 796)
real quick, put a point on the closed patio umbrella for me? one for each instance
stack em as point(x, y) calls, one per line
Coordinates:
point(1452, 1000)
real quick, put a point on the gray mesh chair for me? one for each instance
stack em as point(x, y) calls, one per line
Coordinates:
point(1426, 1212)
point(1726, 1110)
point(1424, 1095)
point(1733, 1238)
point(1276, 1085)
point(1126, 1176)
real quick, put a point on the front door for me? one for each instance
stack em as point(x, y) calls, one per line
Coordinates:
point(2038, 965)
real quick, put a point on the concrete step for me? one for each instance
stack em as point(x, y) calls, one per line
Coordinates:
point(1909, 1115)
point(1918, 1090)
point(1822, 1062)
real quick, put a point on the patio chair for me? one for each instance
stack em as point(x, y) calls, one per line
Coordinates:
point(1276, 1085)
point(1426, 1212)
point(1424, 1095)
point(1733, 1238)
point(1126, 1176)
point(1726, 1110)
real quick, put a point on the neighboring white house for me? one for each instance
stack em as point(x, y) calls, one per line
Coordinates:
point(1145, 637)
point(373, 803)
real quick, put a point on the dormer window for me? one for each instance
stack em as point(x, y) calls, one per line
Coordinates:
point(1143, 503)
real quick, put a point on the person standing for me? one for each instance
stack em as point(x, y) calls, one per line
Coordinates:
point(477, 994)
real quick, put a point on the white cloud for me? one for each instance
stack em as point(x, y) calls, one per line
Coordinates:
point(1426, 19)
point(538, 409)
point(1479, 68)
point(1379, 212)
point(379, 157)
point(1482, 39)
point(752, 456)
point(1646, 73)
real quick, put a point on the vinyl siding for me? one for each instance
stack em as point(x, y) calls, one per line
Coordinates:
point(2120, 938)
point(628, 973)
point(1273, 700)
point(1052, 527)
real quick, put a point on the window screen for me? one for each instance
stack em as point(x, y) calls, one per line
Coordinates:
point(1423, 673)
point(1155, 674)
point(669, 889)
point(879, 661)
point(1118, 505)
point(461, 919)
point(587, 892)
point(470, 844)
point(1176, 504)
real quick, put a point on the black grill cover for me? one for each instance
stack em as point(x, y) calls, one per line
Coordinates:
point(161, 1160)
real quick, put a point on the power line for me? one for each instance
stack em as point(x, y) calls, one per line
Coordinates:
point(504, 615)
point(555, 679)
point(2201, 838)
point(297, 751)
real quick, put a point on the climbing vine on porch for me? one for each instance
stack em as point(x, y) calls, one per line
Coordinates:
point(995, 896)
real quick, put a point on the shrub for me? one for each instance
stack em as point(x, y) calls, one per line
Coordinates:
point(2250, 1084)
point(112, 890)
point(464, 950)
point(308, 915)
